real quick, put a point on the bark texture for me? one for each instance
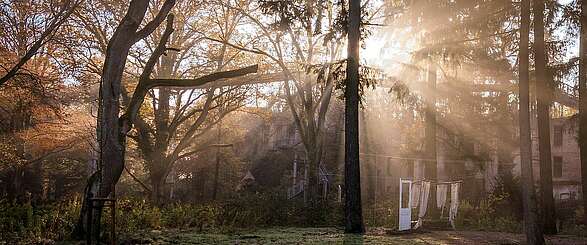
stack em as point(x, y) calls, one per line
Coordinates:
point(543, 101)
point(352, 175)
point(531, 226)
point(583, 102)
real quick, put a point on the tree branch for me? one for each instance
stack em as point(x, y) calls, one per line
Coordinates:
point(137, 180)
point(45, 36)
point(153, 24)
point(142, 88)
point(188, 83)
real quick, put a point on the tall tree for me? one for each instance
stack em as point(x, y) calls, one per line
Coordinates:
point(531, 225)
point(112, 129)
point(180, 117)
point(298, 24)
point(583, 101)
point(543, 102)
point(352, 175)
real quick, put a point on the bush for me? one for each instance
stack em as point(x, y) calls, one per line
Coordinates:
point(574, 226)
point(270, 208)
point(386, 214)
point(27, 224)
point(134, 214)
point(190, 216)
point(486, 216)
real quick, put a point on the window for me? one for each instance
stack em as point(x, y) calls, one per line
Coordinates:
point(557, 167)
point(558, 136)
point(410, 166)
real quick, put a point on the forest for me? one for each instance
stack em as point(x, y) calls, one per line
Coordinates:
point(293, 122)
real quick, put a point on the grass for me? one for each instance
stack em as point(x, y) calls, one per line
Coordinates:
point(267, 236)
point(291, 235)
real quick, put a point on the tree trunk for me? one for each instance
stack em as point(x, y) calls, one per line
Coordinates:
point(81, 229)
point(111, 141)
point(430, 135)
point(543, 109)
point(353, 210)
point(531, 226)
point(216, 173)
point(157, 183)
point(583, 103)
point(16, 192)
point(313, 161)
point(112, 128)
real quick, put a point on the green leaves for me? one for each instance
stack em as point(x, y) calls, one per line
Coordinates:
point(336, 72)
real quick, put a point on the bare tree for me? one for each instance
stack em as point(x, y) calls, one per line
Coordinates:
point(112, 129)
point(180, 117)
point(308, 96)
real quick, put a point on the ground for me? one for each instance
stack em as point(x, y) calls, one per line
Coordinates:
point(335, 236)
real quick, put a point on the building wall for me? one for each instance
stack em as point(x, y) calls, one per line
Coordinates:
point(569, 180)
point(565, 158)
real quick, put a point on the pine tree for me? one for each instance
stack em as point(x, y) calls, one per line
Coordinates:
point(583, 102)
point(531, 226)
point(543, 102)
point(352, 175)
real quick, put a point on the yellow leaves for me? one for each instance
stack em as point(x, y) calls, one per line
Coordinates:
point(72, 132)
point(9, 156)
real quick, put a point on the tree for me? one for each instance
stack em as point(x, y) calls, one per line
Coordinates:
point(299, 24)
point(34, 118)
point(583, 100)
point(531, 225)
point(352, 176)
point(431, 166)
point(18, 16)
point(169, 129)
point(112, 129)
point(468, 58)
point(543, 102)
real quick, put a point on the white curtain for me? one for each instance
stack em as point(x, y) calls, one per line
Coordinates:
point(425, 192)
point(441, 193)
point(454, 202)
point(415, 194)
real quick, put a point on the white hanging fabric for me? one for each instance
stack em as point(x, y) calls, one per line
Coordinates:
point(441, 193)
point(415, 194)
point(425, 192)
point(454, 203)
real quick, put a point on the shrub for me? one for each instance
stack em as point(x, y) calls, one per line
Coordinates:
point(133, 215)
point(487, 216)
point(190, 216)
point(574, 226)
point(27, 224)
point(385, 214)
